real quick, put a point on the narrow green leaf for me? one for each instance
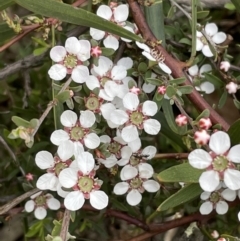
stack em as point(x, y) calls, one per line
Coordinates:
point(5, 4)
point(185, 41)
point(180, 173)
point(78, 16)
point(234, 131)
point(39, 51)
point(184, 195)
point(202, 14)
point(20, 122)
point(5, 33)
point(236, 4)
point(152, 81)
point(214, 80)
point(204, 114)
point(107, 51)
point(228, 237)
point(230, 6)
point(222, 99)
point(187, 89)
point(63, 96)
point(236, 103)
point(177, 81)
point(171, 91)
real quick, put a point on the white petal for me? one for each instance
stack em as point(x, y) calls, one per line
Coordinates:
point(148, 88)
point(74, 200)
point(199, 159)
point(97, 34)
point(131, 101)
point(128, 172)
point(135, 145)
point(92, 141)
point(199, 44)
point(207, 51)
point(229, 194)
point(106, 110)
point(209, 181)
point(149, 108)
point(145, 170)
point(85, 162)
point(78, 148)
point(53, 203)
point(109, 162)
point(29, 206)
point(84, 53)
point(68, 177)
point(121, 188)
point(143, 46)
point(221, 207)
point(219, 142)
point(151, 186)
point(61, 192)
point(57, 72)
point(87, 118)
point(125, 62)
point(72, 45)
point(134, 197)
point(205, 195)
point(149, 152)
point(92, 82)
point(68, 118)
point(234, 154)
point(111, 88)
point(118, 73)
point(40, 213)
point(46, 181)
point(148, 56)
point(211, 29)
point(126, 152)
point(119, 117)
point(165, 68)
point(232, 179)
point(105, 139)
point(44, 160)
point(123, 162)
point(102, 94)
point(80, 74)
point(219, 38)
point(104, 65)
point(105, 12)
point(207, 87)
point(98, 199)
point(121, 13)
point(129, 133)
point(193, 70)
point(111, 42)
point(65, 150)
point(152, 126)
point(206, 208)
point(205, 68)
point(58, 53)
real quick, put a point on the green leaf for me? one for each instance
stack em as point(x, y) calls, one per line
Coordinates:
point(107, 51)
point(204, 114)
point(214, 80)
point(177, 81)
point(234, 131)
point(78, 16)
point(236, 103)
point(185, 41)
point(34, 229)
point(5, 4)
point(171, 91)
point(223, 99)
point(5, 33)
point(142, 67)
point(180, 173)
point(184, 195)
point(202, 14)
point(152, 81)
point(34, 122)
point(20, 122)
point(236, 4)
point(187, 89)
point(228, 237)
point(62, 97)
point(39, 51)
point(230, 6)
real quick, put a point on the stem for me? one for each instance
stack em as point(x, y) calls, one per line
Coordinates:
point(179, 7)
point(65, 224)
point(171, 156)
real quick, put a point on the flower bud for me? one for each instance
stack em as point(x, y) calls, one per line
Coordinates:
point(201, 137)
point(181, 120)
point(96, 51)
point(161, 89)
point(205, 123)
point(225, 65)
point(135, 90)
point(215, 234)
point(231, 88)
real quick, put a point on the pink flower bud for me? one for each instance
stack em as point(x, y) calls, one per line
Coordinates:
point(205, 123)
point(135, 90)
point(221, 239)
point(29, 176)
point(181, 120)
point(201, 137)
point(96, 51)
point(161, 89)
point(225, 65)
point(71, 93)
point(231, 88)
point(215, 234)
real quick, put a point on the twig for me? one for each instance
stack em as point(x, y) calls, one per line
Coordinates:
point(171, 156)
point(27, 89)
point(119, 52)
point(65, 224)
point(179, 7)
point(5, 208)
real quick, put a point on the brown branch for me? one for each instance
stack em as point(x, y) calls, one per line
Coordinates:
point(65, 224)
point(176, 66)
point(171, 156)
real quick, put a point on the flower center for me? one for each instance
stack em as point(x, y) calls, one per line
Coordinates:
point(92, 103)
point(114, 147)
point(104, 80)
point(136, 118)
point(59, 167)
point(70, 61)
point(220, 163)
point(85, 184)
point(40, 201)
point(77, 133)
point(204, 40)
point(215, 197)
point(134, 161)
point(135, 183)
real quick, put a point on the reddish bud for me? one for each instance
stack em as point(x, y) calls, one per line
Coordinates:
point(215, 234)
point(181, 120)
point(161, 89)
point(205, 123)
point(231, 88)
point(225, 65)
point(135, 90)
point(29, 176)
point(96, 51)
point(201, 137)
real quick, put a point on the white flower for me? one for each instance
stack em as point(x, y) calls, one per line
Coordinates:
point(69, 60)
point(117, 15)
point(218, 163)
point(77, 131)
point(153, 56)
point(216, 200)
point(225, 65)
point(84, 186)
point(196, 73)
point(109, 78)
point(135, 182)
point(216, 37)
point(39, 203)
point(136, 117)
point(231, 88)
